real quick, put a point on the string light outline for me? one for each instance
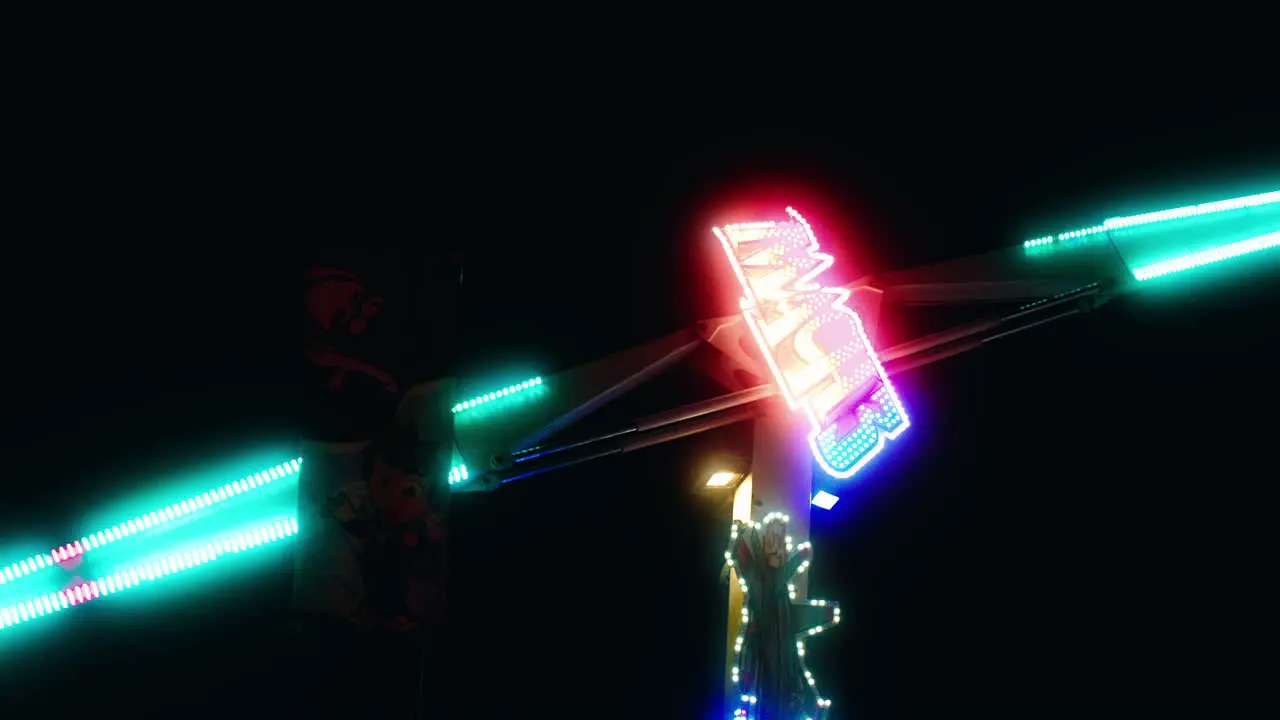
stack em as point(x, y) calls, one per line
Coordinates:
point(747, 703)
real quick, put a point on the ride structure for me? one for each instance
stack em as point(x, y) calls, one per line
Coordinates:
point(800, 361)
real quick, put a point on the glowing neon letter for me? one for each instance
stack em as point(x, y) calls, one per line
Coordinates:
point(816, 346)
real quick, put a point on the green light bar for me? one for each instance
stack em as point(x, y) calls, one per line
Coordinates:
point(1207, 257)
point(497, 394)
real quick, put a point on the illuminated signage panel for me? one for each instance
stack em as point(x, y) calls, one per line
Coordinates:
point(817, 349)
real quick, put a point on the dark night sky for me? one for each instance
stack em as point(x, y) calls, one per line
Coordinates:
point(1080, 520)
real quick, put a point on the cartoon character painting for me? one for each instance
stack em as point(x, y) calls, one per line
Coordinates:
point(375, 494)
point(392, 523)
point(340, 308)
point(406, 556)
point(769, 670)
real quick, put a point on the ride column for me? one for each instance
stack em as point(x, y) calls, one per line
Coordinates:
point(781, 480)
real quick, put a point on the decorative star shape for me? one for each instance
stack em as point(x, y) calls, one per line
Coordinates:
point(769, 669)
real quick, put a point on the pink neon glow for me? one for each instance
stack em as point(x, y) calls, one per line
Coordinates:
point(816, 347)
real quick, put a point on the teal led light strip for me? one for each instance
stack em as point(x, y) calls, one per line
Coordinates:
point(504, 392)
point(1267, 198)
point(147, 521)
point(1119, 223)
point(1207, 257)
point(146, 572)
point(1050, 239)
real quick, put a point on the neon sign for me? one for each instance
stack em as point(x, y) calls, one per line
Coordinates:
point(816, 347)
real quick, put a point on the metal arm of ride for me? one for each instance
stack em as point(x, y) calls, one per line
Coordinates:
point(1057, 276)
point(735, 407)
point(516, 440)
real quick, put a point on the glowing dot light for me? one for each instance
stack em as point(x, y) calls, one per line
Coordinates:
point(146, 572)
point(721, 479)
point(824, 500)
point(147, 521)
point(1207, 257)
point(497, 394)
point(457, 474)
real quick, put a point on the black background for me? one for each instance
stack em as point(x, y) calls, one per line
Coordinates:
point(1079, 523)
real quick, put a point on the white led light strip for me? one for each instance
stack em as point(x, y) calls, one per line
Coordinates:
point(1207, 257)
point(147, 521)
point(146, 572)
